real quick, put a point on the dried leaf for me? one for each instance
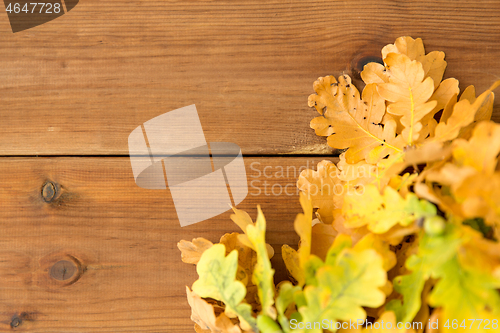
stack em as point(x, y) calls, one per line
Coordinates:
point(191, 251)
point(202, 313)
point(464, 114)
point(303, 225)
point(481, 151)
point(321, 186)
point(352, 122)
point(322, 238)
point(292, 263)
point(409, 93)
point(433, 63)
point(374, 72)
point(372, 241)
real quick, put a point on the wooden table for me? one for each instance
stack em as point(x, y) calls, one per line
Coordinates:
point(73, 89)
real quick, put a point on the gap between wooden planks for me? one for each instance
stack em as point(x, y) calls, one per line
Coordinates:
point(123, 239)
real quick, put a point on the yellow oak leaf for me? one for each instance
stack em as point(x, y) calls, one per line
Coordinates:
point(292, 263)
point(433, 63)
point(321, 186)
point(469, 94)
point(353, 122)
point(356, 174)
point(409, 94)
point(295, 261)
point(429, 151)
point(479, 196)
point(373, 72)
point(373, 241)
point(464, 114)
point(413, 48)
point(480, 253)
point(191, 251)
point(445, 94)
point(243, 220)
point(481, 151)
point(246, 257)
point(468, 186)
point(341, 227)
point(322, 238)
point(483, 113)
point(448, 110)
point(303, 226)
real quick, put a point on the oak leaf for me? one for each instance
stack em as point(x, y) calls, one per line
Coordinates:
point(217, 280)
point(380, 212)
point(372, 241)
point(353, 122)
point(464, 114)
point(322, 238)
point(285, 302)
point(409, 93)
point(373, 72)
point(351, 280)
point(202, 313)
point(303, 227)
point(481, 151)
point(262, 273)
point(320, 186)
point(433, 63)
point(191, 251)
point(461, 291)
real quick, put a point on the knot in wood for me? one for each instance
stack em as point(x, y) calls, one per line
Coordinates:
point(16, 322)
point(360, 61)
point(49, 191)
point(63, 270)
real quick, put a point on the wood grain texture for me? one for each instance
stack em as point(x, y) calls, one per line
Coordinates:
point(81, 83)
point(122, 238)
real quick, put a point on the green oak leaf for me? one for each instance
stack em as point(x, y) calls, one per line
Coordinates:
point(217, 280)
point(380, 212)
point(344, 287)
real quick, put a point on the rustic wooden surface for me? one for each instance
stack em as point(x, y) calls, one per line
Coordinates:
point(80, 84)
point(123, 237)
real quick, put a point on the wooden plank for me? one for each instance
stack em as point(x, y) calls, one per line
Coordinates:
point(80, 84)
point(121, 239)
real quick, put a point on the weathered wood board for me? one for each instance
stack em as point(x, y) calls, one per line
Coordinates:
point(122, 239)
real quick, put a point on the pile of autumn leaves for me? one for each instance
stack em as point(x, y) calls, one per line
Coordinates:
point(403, 228)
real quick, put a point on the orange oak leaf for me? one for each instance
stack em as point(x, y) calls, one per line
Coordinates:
point(409, 93)
point(191, 251)
point(433, 63)
point(353, 122)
